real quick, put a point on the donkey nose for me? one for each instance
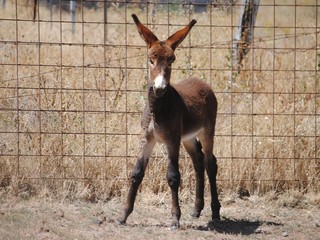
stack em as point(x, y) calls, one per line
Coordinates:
point(159, 83)
point(159, 91)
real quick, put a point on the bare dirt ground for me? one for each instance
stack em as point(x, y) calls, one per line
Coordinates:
point(281, 217)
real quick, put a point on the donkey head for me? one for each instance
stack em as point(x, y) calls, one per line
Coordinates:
point(161, 54)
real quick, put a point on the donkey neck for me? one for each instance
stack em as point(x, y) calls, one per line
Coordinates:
point(163, 106)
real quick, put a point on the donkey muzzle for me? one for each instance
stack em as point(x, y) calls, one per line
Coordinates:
point(160, 85)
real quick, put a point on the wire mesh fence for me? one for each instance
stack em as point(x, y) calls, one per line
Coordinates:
point(72, 89)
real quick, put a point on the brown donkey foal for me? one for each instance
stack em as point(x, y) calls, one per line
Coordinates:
point(176, 113)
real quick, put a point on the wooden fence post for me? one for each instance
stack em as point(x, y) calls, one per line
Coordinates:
point(51, 5)
point(35, 3)
point(73, 14)
point(244, 32)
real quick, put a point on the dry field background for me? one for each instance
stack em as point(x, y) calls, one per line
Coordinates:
point(70, 103)
point(70, 107)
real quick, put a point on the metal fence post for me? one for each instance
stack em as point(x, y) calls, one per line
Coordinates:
point(244, 31)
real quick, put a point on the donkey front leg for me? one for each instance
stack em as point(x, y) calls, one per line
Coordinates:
point(173, 178)
point(136, 177)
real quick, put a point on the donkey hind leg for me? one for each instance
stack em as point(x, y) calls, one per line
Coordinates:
point(193, 147)
point(215, 204)
point(211, 167)
point(136, 177)
point(173, 178)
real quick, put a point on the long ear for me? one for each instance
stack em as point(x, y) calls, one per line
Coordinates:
point(145, 33)
point(175, 39)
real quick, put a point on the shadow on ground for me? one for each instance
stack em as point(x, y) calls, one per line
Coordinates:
point(234, 226)
point(225, 226)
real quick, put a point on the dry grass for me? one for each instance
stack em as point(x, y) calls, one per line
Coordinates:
point(255, 217)
point(83, 142)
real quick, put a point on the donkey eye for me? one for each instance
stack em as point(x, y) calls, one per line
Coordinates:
point(151, 62)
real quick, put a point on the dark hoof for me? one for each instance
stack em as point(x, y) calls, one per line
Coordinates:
point(174, 226)
point(216, 218)
point(121, 221)
point(195, 214)
point(216, 213)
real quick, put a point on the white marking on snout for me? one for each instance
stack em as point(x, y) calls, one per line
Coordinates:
point(160, 82)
